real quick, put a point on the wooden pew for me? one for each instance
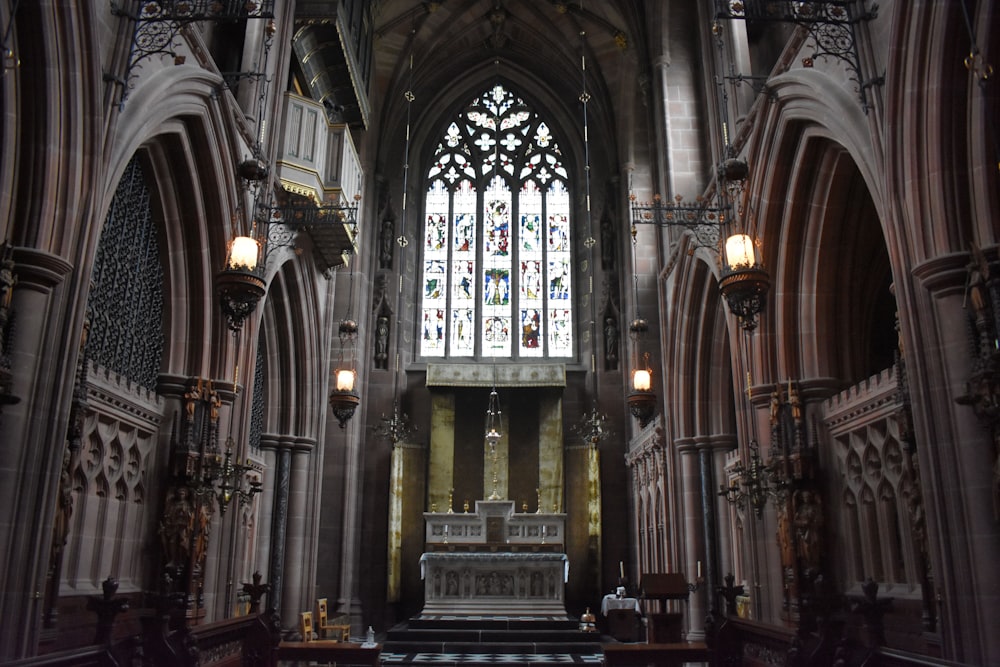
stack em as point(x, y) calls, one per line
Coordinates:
point(661, 655)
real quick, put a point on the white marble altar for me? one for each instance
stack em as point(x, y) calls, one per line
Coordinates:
point(495, 524)
point(494, 561)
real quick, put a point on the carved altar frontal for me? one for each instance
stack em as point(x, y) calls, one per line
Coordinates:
point(517, 583)
point(494, 561)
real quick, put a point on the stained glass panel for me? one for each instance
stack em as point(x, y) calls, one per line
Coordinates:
point(497, 288)
point(560, 332)
point(432, 332)
point(531, 294)
point(559, 272)
point(531, 326)
point(435, 279)
point(496, 269)
point(496, 336)
point(463, 332)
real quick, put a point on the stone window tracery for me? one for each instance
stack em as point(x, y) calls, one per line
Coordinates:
point(496, 276)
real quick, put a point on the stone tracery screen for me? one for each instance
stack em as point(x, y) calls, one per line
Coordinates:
point(105, 515)
point(879, 508)
point(496, 276)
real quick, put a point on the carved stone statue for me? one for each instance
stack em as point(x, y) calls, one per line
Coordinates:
point(177, 527)
point(201, 527)
point(610, 343)
point(607, 244)
point(808, 527)
point(382, 342)
point(784, 534)
point(978, 274)
point(386, 234)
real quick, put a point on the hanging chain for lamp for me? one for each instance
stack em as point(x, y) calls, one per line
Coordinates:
point(592, 427)
point(493, 435)
point(743, 281)
point(641, 398)
point(344, 397)
point(397, 427)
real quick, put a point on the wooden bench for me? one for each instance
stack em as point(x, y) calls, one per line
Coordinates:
point(342, 653)
point(660, 655)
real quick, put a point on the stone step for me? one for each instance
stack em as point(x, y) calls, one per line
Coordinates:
point(553, 624)
point(493, 659)
point(465, 659)
point(490, 645)
point(489, 636)
point(395, 646)
point(495, 640)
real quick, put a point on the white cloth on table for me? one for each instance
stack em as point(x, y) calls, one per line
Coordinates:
point(612, 601)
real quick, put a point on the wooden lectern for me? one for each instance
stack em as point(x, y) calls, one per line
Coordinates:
point(664, 627)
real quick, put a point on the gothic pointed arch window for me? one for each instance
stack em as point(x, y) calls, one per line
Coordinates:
point(497, 264)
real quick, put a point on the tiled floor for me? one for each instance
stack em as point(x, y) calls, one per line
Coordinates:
point(490, 658)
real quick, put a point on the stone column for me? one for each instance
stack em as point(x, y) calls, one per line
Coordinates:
point(956, 456)
point(43, 366)
point(692, 513)
point(299, 501)
point(279, 518)
point(348, 601)
point(725, 528)
point(269, 452)
point(709, 523)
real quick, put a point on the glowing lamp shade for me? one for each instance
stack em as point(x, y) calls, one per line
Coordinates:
point(345, 380)
point(243, 252)
point(642, 379)
point(739, 251)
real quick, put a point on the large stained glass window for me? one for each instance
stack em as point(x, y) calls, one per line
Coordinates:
point(497, 261)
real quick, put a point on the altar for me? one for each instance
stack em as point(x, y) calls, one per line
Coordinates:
point(494, 561)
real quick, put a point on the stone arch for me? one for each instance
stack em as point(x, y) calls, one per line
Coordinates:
point(296, 404)
point(817, 208)
point(697, 315)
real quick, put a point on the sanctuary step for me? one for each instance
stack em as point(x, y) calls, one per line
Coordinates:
point(493, 640)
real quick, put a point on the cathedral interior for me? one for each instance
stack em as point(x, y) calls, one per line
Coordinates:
point(292, 291)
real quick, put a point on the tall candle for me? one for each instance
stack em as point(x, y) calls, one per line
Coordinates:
point(621, 569)
point(699, 569)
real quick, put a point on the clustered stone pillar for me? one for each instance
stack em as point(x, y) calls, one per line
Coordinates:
point(279, 519)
